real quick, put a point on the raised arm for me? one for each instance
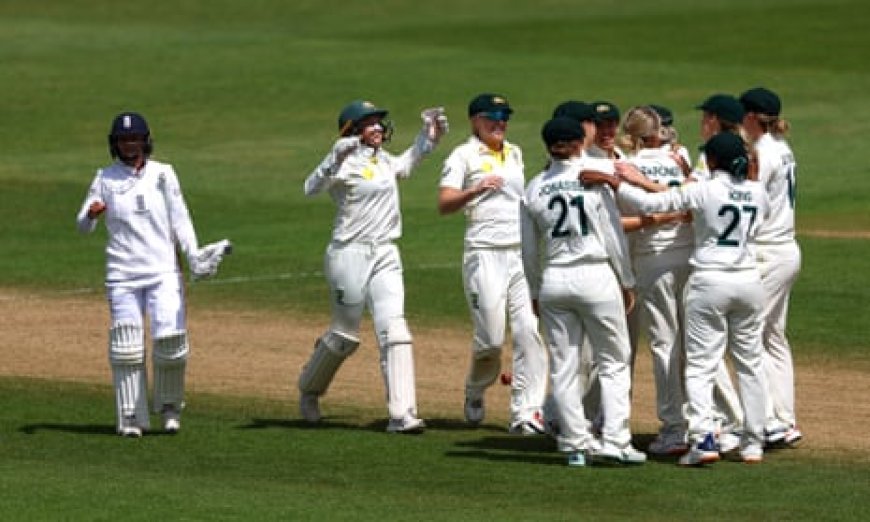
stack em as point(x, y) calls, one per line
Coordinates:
point(325, 172)
point(435, 126)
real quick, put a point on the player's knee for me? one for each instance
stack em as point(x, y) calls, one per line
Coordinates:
point(339, 343)
point(485, 352)
point(330, 351)
point(171, 349)
point(395, 333)
point(487, 339)
point(126, 344)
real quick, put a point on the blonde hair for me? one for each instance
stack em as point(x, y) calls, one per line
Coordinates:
point(639, 126)
point(774, 125)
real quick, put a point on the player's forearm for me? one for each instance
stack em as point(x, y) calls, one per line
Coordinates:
point(451, 200)
point(85, 221)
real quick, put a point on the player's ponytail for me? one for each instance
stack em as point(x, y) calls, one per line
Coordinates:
point(727, 151)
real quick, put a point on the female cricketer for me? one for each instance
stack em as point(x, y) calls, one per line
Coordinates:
point(723, 298)
point(362, 262)
point(576, 260)
point(484, 177)
point(146, 219)
point(779, 256)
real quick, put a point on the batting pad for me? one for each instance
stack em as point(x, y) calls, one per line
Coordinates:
point(127, 359)
point(399, 370)
point(170, 363)
point(330, 351)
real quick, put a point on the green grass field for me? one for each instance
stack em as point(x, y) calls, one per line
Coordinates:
point(242, 98)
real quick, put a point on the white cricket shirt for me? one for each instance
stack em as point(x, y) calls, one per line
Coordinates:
point(493, 218)
point(776, 171)
point(658, 165)
point(145, 216)
point(365, 191)
point(567, 223)
point(726, 216)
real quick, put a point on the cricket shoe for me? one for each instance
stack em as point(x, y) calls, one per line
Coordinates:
point(728, 442)
point(793, 437)
point(474, 410)
point(752, 454)
point(579, 459)
point(774, 436)
point(705, 451)
point(171, 419)
point(783, 436)
point(610, 453)
point(309, 407)
point(407, 424)
point(669, 444)
point(533, 426)
point(129, 428)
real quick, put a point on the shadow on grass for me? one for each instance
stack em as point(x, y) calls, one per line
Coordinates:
point(84, 429)
point(326, 423)
point(339, 423)
point(552, 459)
point(538, 449)
point(80, 429)
point(453, 424)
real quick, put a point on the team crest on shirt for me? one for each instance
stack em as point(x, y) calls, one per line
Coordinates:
point(368, 173)
point(486, 167)
point(141, 208)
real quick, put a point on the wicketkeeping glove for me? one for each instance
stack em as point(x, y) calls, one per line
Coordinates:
point(204, 263)
point(435, 122)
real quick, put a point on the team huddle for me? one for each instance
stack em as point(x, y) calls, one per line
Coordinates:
point(618, 238)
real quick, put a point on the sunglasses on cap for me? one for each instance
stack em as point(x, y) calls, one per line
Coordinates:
point(496, 115)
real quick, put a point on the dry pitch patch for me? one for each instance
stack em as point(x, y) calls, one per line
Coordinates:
point(247, 353)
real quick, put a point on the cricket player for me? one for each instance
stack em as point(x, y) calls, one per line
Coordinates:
point(660, 248)
point(484, 178)
point(722, 113)
point(146, 219)
point(723, 298)
point(362, 262)
point(576, 260)
point(607, 118)
point(671, 138)
point(779, 256)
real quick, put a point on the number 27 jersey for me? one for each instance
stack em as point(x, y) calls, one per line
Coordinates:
point(726, 215)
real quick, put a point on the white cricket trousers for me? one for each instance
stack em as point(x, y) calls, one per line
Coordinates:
point(369, 275)
point(661, 279)
point(496, 288)
point(162, 298)
point(723, 309)
point(779, 265)
point(586, 300)
point(364, 275)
